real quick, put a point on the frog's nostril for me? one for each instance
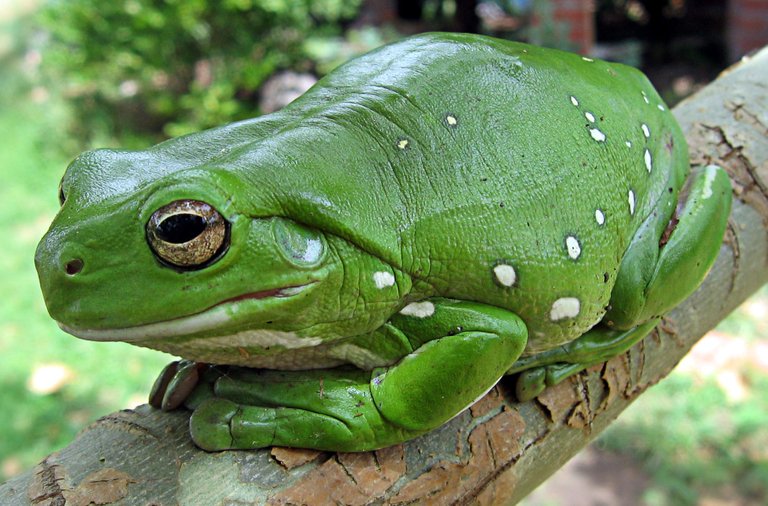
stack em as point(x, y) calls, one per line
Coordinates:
point(74, 266)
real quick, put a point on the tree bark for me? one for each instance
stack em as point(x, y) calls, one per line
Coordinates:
point(494, 453)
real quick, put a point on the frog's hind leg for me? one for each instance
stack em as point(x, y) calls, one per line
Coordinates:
point(666, 261)
point(664, 264)
point(548, 368)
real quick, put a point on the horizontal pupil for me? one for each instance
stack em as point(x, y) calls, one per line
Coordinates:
point(181, 228)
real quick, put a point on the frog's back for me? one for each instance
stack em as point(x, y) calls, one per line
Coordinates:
point(503, 173)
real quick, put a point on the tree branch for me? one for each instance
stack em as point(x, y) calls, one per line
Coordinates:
point(496, 452)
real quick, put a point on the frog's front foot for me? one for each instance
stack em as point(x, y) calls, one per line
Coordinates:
point(322, 409)
point(242, 408)
point(460, 350)
point(176, 384)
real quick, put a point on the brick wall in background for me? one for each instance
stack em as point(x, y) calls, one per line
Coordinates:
point(579, 15)
point(747, 26)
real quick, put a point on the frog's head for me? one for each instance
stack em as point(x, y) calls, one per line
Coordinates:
point(146, 247)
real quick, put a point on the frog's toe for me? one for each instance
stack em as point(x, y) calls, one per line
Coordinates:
point(161, 384)
point(530, 383)
point(175, 383)
point(181, 385)
point(209, 425)
point(533, 381)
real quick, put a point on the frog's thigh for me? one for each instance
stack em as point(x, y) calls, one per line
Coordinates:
point(652, 278)
point(467, 348)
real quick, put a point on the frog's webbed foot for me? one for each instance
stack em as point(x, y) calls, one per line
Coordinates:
point(549, 368)
point(458, 351)
point(181, 383)
point(329, 409)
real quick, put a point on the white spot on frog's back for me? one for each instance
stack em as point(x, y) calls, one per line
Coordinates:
point(574, 101)
point(419, 309)
point(566, 307)
point(505, 274)
point(628, 144)
point(573, 247)
point(383, 279)
point(597, 134)
point(590, 117)
point(586, 59)
point(645, 98)
point(599, 217)
point(402, 143)
point(451, 120)
point(661, 107)
point(646, 130)
point(631, 201)
point(647, 157)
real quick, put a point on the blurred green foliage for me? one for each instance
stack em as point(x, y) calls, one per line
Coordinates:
point(695, 442)
point(103, 378)
point(112, 69)
point(327, 53)
point(177, 66)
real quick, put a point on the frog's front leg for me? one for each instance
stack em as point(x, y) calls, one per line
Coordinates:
point(665, 262)
point(459, 351)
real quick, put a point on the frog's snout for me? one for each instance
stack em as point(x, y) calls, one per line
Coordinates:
point(60, 264)
point(53, 260)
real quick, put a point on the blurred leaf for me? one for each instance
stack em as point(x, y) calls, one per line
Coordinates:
point(108, 55)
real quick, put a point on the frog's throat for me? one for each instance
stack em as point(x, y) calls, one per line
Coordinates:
point(212, 318)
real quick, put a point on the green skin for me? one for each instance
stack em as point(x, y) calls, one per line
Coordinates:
point(429, 217)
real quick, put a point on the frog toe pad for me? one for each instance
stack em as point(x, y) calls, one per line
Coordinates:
point(210, 424)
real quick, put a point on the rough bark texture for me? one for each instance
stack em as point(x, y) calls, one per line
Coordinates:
point(496, 452)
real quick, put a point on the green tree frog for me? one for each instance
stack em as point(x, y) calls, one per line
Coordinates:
point(367, 262)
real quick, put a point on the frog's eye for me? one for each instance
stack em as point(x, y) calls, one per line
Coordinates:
point(188, 234)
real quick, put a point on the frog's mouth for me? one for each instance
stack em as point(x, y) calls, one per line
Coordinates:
point(214, 317)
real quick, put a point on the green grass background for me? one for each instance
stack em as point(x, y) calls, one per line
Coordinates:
point(34, 151)
point(695, 441)
point(104, 377)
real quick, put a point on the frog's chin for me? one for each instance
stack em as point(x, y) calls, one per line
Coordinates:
point(215, 317)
